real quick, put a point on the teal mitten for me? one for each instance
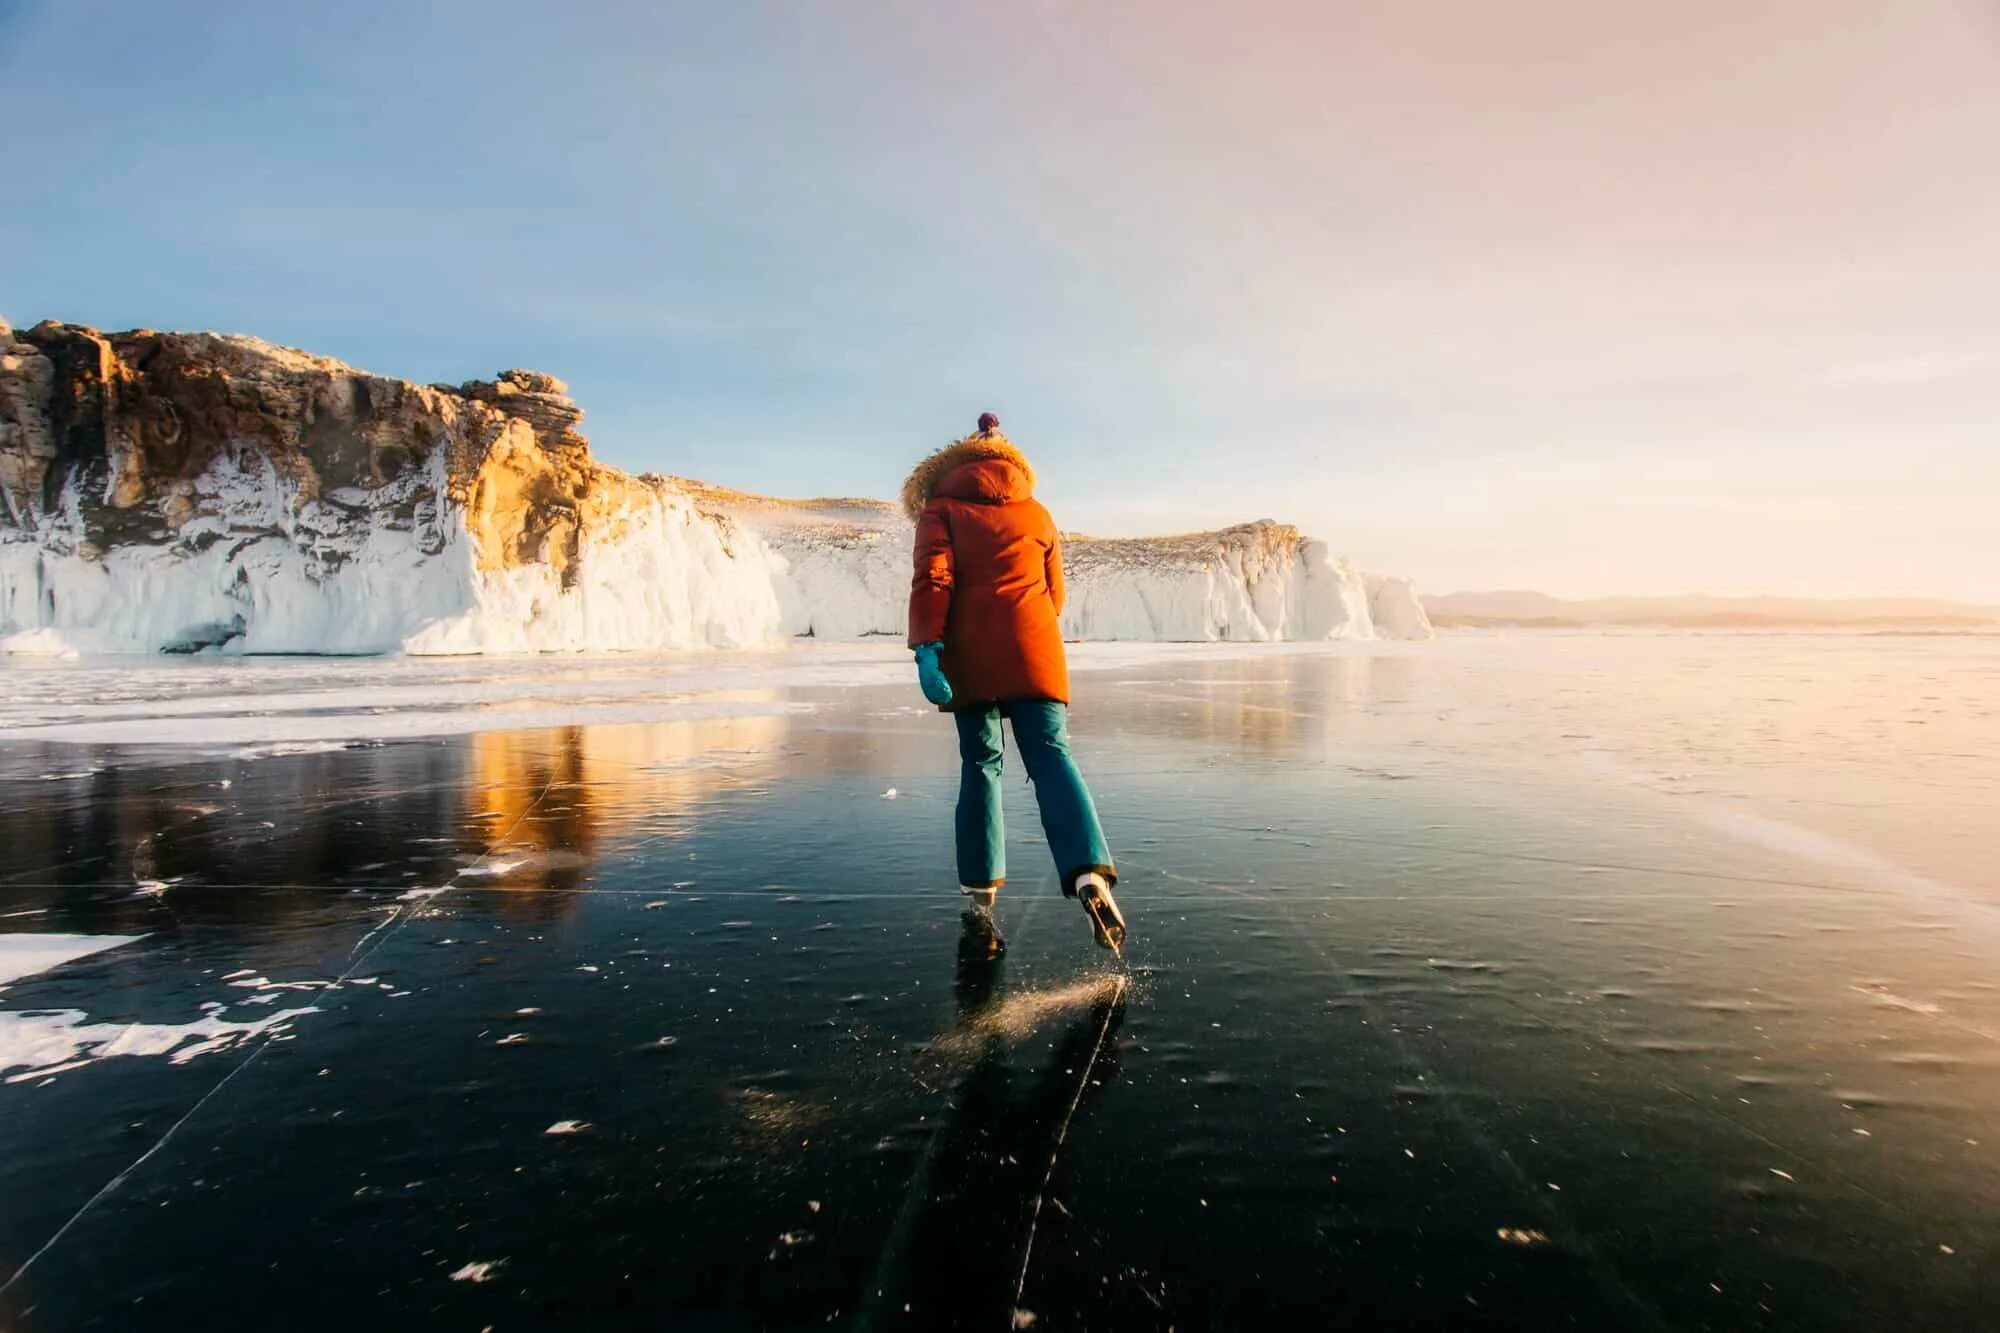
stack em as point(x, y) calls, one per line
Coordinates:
point(931, 676)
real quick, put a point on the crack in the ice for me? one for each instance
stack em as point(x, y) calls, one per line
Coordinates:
point(1473, 1130)
point(1045, 889)
point(1335, 836)
point(384, 930)
point(1062, 1133)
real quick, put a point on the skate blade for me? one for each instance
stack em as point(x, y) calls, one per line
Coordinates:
point(1106, 922)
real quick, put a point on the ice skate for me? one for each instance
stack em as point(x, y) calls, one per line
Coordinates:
point(979, 937)
point(1107, 923)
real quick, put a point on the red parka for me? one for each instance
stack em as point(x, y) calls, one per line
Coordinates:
point(989, 579)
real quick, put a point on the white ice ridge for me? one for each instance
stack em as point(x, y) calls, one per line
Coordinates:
point(843, 571)
point(190, 492)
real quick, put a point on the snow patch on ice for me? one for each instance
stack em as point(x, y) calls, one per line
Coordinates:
point(24, 955)
point(40, 1040)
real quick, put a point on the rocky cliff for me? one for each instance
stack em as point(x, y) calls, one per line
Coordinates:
point(182, 491)
point(175, 491)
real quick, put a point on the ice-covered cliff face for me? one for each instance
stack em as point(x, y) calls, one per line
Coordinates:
point(172, 491)
point(1261, 581)
point(847, 572)
point(176, 491)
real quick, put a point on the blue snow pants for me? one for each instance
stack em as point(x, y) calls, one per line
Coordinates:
point(1069, 819)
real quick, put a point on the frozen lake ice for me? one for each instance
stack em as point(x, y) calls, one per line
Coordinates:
point(1550, 981)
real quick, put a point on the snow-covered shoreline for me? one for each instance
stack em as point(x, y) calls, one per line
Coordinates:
point(250, 707)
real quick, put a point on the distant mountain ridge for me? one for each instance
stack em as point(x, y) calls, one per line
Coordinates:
point(1526, 609)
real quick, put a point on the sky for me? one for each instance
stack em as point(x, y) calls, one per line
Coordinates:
point(1555, 294)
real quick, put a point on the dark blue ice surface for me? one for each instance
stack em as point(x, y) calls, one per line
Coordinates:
point(1452, 1001)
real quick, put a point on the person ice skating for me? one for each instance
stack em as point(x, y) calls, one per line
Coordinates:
point(984, 606)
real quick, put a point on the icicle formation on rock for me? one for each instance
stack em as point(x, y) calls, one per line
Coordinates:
point(181, 491)
point(174, 491)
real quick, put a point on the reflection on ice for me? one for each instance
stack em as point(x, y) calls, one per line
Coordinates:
point(1385, 1020)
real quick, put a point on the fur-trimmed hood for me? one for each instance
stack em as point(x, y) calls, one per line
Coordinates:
point(924, 480)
